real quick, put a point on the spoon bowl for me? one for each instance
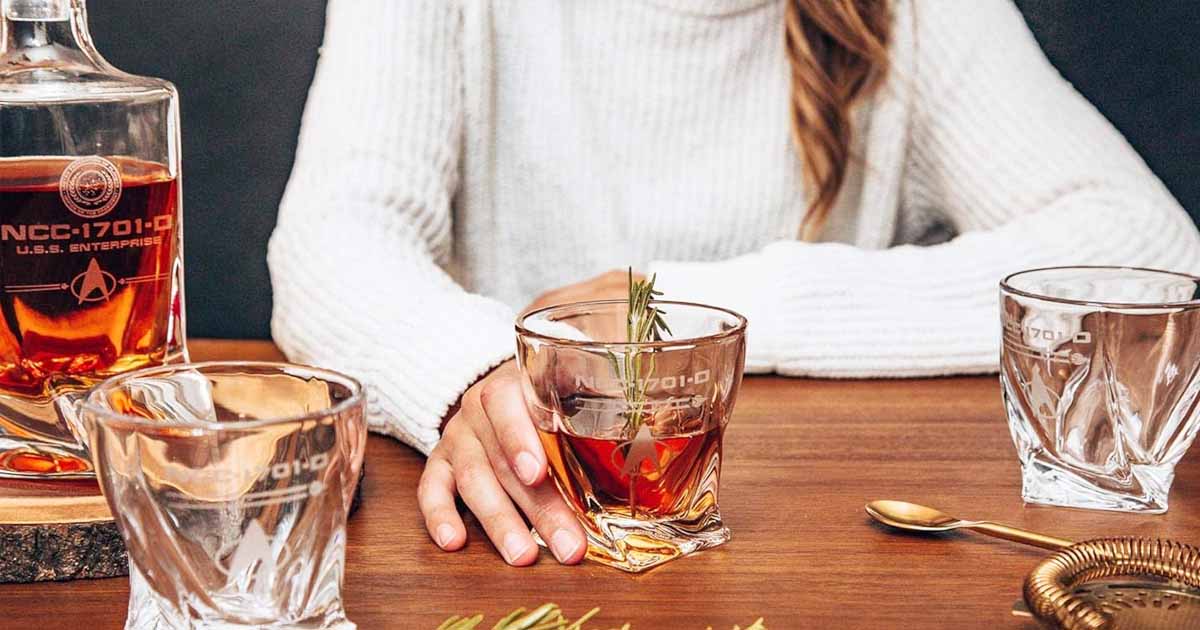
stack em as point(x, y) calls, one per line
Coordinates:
point(920, 518)
point(905, 515)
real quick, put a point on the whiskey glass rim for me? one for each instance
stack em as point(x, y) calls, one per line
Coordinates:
point(737, 329)
point(1007, 287)
point(108, 416)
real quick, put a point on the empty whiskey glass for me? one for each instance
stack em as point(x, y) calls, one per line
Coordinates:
point(1100, 368)
point(230, 484)
point(634, 432)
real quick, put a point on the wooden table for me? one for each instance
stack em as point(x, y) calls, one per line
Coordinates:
point(803, 458)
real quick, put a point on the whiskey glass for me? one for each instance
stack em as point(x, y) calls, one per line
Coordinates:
point(91, 241)
point(633, 432)
point(1100, 368)
point(230, 483)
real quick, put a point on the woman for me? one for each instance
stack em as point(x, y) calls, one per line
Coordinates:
point(801, 161)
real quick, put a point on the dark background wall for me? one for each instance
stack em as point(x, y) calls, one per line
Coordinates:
point(243, 68)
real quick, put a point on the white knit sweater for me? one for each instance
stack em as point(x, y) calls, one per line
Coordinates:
point(459, 157)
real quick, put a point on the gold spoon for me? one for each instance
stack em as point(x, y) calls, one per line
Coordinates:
point(910, 516)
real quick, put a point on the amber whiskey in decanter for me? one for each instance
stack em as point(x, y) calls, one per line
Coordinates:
point(91, 278)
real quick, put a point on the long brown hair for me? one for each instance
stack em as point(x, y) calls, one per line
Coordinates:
point(838, 51)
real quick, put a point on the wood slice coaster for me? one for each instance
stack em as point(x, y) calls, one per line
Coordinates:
point(57, 530)
point(62, 530)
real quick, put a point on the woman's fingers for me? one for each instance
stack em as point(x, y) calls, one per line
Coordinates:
point(483, 494)
point(435, 495)
point(552, 519)
point(491, 453)
point(504, 405)
point(541, 504)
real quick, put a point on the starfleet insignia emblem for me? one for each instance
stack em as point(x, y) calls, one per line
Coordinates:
point(639, 450)
point(254, 566)
point(1042, 399)
point(94, 284)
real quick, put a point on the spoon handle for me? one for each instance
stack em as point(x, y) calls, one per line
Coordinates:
point(1020, 535)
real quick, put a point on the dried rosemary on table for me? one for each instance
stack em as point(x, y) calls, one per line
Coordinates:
point(545, 617)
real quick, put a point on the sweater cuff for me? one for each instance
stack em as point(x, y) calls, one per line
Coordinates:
point(833, 311)
point(736, 284)
point(413, 405)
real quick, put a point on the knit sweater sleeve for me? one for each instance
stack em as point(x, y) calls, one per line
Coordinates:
point(1004, 149)
point(365, 220)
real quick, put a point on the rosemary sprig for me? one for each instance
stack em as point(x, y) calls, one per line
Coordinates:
point(544, 617)
point(643, 322)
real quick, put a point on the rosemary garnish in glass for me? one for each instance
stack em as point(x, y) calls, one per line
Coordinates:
point(634, 368)
point(643, 322)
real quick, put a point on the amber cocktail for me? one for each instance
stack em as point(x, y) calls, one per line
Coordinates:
point(633, 430)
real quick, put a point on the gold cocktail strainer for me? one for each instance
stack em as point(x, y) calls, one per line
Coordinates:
point(1102, 584)
point(1117, 584)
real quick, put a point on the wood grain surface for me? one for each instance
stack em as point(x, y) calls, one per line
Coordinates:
point(803, 457)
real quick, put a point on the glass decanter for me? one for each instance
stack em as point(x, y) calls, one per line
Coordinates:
point(91, 277)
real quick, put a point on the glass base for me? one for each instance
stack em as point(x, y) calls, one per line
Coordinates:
point(36, 460)
point(39, 439)
point(159, 622)
point(162, 623)
point(637, 545)
point(1050, 485)
point(145, 613)
point(43, 437)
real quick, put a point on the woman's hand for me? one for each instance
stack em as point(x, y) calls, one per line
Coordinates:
point(491, 457)
point(610, 285)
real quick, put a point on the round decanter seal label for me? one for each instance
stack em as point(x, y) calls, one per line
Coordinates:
point(90, 187)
